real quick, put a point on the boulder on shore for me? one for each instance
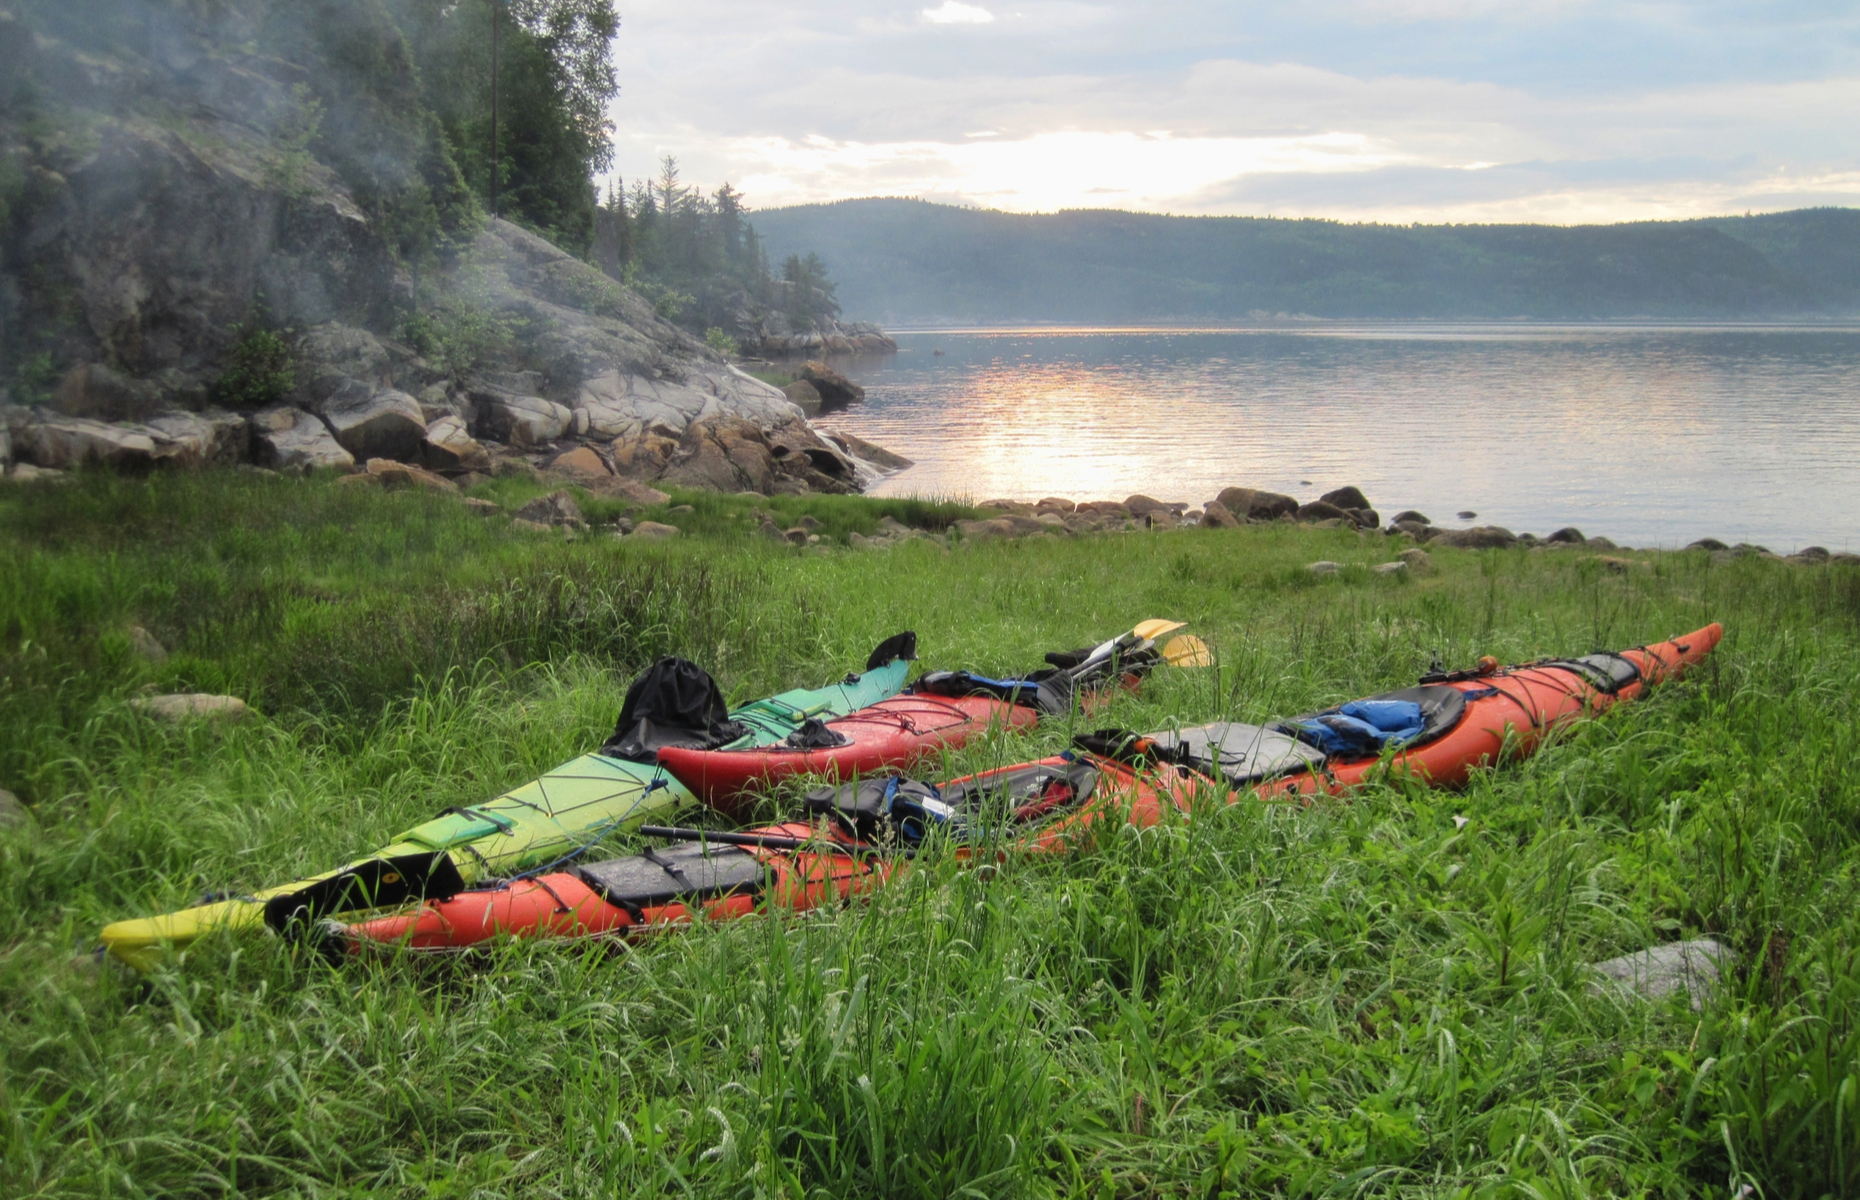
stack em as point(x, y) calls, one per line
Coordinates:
point(449, 446)
point(1252, 504)
point(179, 707)
point(521, 420)
point(1346, 498)
point(866, 452)
point(833, 388)
point(1692, 967)
point(1140, 506)
point(373, 422)
point(1479, 537)
point(1214, 515)
point(1320, 510)
point(804, 395)
point(581, 461)
point(291, 439)
point(94, 390)
point(555, 509)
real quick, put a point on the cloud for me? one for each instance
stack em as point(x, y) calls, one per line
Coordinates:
point(1361, 109)
point(1040, 173)
point(951, 13)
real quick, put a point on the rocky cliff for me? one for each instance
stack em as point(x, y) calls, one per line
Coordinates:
point(224, 236)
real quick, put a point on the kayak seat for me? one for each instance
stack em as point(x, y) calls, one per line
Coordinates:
point(883, 806)
point(691, 870)
point(1235, 752)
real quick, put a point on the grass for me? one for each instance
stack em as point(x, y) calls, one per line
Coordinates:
point(1380, 997)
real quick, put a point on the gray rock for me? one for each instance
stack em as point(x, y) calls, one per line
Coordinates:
point(1214, 515)
point(1709, 543)
point(582, 462)
point(834, 389)
point(654, 531)
point(1255, 505)
point(1813, 555)
point(144, 645)
point(1391, 568)
point(521, 420)
point(27, 473)
point(1569, 535)
point(13, 813)
point(1843, 558)
point(985, 530)
point(449, 446)
point(179, 707)
point(621, 404)
point(1140, 506)
point(1325, 568)
point(1479, 537)
point(290, 439)
point(882, 461)
point(1319, 510)
point(483, 508)
point(62, 443)
point(1418, 560)
point(1466, 514)
point(212, 438)
point(1600, 543)
point(333, 354)
point(94, 390)
point(555, 509)
point(392, 474)
point(804, 396)
point(1346, 498)
point(1410, 515)
point(1692, 967)
point(370, 421)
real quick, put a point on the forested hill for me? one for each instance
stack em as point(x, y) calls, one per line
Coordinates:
point(908, 261)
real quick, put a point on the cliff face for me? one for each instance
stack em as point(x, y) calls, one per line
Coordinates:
point(235, 219)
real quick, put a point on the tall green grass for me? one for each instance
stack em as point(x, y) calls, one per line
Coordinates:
point(1386, 996)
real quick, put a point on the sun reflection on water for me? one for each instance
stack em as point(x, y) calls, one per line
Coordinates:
point(1647, 435)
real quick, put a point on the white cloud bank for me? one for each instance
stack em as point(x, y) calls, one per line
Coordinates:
point(1363, 109)
point(951, 13)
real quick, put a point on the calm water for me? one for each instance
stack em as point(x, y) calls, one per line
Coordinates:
point(1650, 436)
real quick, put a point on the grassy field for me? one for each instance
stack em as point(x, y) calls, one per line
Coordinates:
point(1381, 997)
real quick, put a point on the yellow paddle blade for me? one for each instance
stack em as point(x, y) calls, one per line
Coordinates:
point(1187, 651)
point(1155, 627)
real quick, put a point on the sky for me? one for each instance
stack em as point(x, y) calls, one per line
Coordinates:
point(1558, 111)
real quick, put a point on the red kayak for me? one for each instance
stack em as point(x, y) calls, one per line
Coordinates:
point(792, 866)
point(943, 710)
point(863, 832)
point(899, 732)
point(1505, 712)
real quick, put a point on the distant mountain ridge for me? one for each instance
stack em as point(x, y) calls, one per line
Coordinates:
point(913, 262)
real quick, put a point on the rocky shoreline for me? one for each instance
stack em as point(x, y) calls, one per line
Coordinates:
point(602, 390)
point(1344, 508)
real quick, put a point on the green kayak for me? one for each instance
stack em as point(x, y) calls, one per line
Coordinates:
point(546, 821)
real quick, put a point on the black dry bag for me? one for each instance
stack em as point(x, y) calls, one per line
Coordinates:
point(675, 703)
